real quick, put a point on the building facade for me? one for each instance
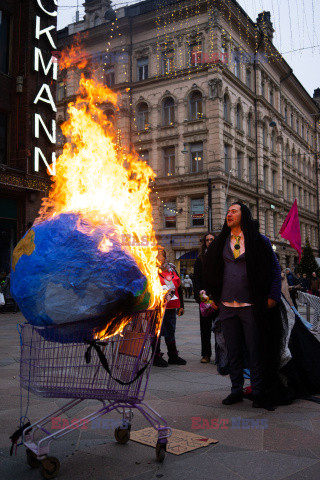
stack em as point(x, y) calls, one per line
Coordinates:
point(210, 104)
point(27, 33)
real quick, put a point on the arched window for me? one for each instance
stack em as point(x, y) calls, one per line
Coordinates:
point(196, 110)
point(142, 116)
point(264, 135)
point(298, 161)
point(238, 116)
point(226, 108)
point(196, 107)
point(168, 111)
point(287, 154)
point(249, 125)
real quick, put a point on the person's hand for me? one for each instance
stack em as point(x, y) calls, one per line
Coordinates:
point(180, 312)
point(214, 305)
point(271, 303)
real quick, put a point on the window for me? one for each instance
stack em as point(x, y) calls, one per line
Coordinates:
point(266, 222)
point(299, 161)
point(196, 106)
point(109, 78)
point(61, 90)
point(248, 78)
point(196, 152)
point(195, 53)
point(271, 97)
point(291, 120)
point(239, 164)
point(169, 161)
point(251, 178)
point(265, 177)
point(3, 138)
point(286, 114)
point(197, 212)
point(264, 135)
point(4, 42)
point(226, 108)
point(142, 116)
point(236, 56)
point(60, 137)
point(262, 88)
point(167, 62)
point(274, 181)
point(293, 157)
point(142, 68)
point(249, 125)
point(169, 213)
point(144, 155)
point(302, 131)
point(274, 225)
point(287, 154)
point(224, 52)
point(238, 117)
point(288, 190)
point(297, 126)
point(168, 111)
point(226, 158)
point(293, 192)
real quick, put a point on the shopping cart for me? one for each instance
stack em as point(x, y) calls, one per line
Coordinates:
point(114, 371)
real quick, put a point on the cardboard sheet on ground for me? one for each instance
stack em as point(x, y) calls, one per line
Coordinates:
point(180, 442)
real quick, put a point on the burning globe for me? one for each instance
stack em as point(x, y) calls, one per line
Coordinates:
point(91, 254)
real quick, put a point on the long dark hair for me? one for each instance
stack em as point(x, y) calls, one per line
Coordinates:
point(258, 257)
point(203, 247)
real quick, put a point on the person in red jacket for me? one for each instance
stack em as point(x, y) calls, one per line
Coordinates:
point(169, 277)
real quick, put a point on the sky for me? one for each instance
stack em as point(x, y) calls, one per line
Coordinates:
point(296, 24)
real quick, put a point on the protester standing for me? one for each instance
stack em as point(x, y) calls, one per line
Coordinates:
point(198, 286)
point(169, 277)
point(243, 276)
point(315, 284)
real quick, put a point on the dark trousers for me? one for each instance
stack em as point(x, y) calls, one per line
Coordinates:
point(205, 333)
point(168, 328)
point(239, 327)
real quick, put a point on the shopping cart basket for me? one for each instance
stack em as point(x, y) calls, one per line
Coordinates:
point(114, 371)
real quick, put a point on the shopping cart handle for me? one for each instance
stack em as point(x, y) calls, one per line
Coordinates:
point(96, 345)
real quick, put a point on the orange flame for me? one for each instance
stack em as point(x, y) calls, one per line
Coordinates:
point(73, 55)
point(95, 179)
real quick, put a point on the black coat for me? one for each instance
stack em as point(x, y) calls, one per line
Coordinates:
point(259, 259)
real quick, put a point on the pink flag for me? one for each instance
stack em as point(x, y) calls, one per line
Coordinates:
point(290, 229)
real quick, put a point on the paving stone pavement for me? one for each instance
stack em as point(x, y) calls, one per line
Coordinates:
point(189, 397)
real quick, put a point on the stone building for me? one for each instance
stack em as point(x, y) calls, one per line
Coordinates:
point(211, 105)
point(24, 116)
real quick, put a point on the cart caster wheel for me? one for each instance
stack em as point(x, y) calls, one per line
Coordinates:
point(32, 460)
point(161, 451)
point(122, 435)
point(50, 467)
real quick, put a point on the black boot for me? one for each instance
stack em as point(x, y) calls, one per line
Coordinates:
point(158, 361)
point(173, 354)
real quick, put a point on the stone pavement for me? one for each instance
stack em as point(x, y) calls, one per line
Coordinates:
point(189, 397)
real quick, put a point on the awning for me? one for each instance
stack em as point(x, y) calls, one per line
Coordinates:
point(192, 255)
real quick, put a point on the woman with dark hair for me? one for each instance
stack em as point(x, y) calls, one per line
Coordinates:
point(243, 277)
point(198, 286)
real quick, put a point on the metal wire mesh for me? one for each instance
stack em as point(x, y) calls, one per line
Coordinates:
point(50, 368)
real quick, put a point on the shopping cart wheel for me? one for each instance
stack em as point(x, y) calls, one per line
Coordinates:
point(50, 467)
point(32, 460)
point(122, 435)
point(161, 451)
